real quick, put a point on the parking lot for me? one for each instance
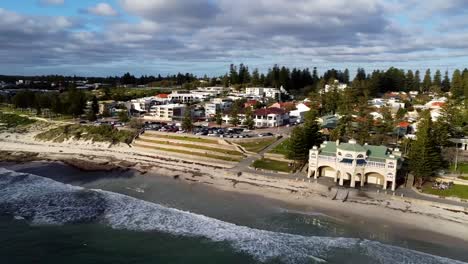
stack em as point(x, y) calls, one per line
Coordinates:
point(232, 132)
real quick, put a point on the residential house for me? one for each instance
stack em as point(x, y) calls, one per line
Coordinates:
point(297, 115)
point(271, 117)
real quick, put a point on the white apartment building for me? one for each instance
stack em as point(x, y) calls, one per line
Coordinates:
point(263, 92)
point(169, 112)
point(339, 86)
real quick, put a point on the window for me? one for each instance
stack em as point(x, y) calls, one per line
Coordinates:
point(348, 156)
point(391, 165)
point(339, 154)
point(360, 156)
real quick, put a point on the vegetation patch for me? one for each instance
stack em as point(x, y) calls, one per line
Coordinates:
point(221, 151)
point(463, 178)
point(460, 191)
point(188, 152)
point(14, 120)
point(273, 165)
point(104, 133)
point(281, 148)
point(258, 145)
point(461, 167)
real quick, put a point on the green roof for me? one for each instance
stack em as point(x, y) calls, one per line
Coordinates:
point(375, 153)
point(351, 147)
point(330, 147)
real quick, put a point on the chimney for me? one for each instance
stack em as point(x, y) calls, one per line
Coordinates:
point(337, 142)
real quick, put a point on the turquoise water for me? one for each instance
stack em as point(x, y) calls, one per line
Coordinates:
point(149, 219)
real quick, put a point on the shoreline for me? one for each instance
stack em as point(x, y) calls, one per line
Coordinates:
point(418, 221)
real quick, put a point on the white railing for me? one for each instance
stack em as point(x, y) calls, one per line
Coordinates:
point(375, 164)
point(327, 158)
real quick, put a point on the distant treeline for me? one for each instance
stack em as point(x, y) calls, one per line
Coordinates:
point(295, 80)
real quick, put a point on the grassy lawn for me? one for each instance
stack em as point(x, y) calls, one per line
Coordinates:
point(258, 145)
point(273, 165)
point(281, 148)
point(192, 139)
point(460, 191)
point(462, 167)
point(187, 152)
point(221, 151)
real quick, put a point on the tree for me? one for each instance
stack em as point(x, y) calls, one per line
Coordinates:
point(234, 118)
point(92, 113)
point(249, 118)
point(187, 123)
point(312, 135)
point(123, 116)
point(297, 149)
point(446, 83)
point(427, 82)
point(424, 157)
point(437, 79)
point(457, 88)
point(218, 117)
point(417, 82)
point(409, 80)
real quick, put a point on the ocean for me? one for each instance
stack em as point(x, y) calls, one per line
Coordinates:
point(53, 213)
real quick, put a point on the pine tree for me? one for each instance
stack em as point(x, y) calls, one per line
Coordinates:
point(427, 82)
point(297, 148)
point(218, 117)
point(457, 84)
point(234, 118)
point(437, 79)
point(409, 80)
point(424, 157)
point(446, 83)
point(417, 81)
point(312, 135)
point(187, 123)
point(346, 76)
point(249, 118)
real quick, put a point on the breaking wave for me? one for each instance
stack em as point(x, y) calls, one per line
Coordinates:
point(41, 200)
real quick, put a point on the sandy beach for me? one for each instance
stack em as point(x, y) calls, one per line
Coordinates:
point(419, 219)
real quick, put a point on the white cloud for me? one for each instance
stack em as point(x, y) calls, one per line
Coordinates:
point(102, 9)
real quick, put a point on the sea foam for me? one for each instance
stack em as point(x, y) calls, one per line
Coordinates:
point(41, 200)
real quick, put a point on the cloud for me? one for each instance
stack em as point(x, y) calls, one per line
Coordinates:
point(196, 33)
point(102, 9)
point(51, 2)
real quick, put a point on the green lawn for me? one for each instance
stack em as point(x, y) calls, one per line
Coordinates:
point(274, 165)
point(221, 151)
point(192, 139)
point(258, 145)
point(462, 167)
point(460, 191)
point(281, 148)
point(187, 152)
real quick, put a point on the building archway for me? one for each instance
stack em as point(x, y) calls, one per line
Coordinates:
point(374, 178)
point(326, 171)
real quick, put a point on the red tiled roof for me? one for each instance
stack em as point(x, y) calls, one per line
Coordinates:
point(268, 111)
point(440, 104)
point(404, 124)
point(164, 96)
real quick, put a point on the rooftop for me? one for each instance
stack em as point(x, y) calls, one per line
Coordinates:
point(375, 153)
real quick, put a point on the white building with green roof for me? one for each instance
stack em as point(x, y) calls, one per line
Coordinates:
point(355, 163)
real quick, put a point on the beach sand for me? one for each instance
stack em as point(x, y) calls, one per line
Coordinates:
point(419, 220)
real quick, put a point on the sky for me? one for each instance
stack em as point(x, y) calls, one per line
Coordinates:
point(111, 37)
